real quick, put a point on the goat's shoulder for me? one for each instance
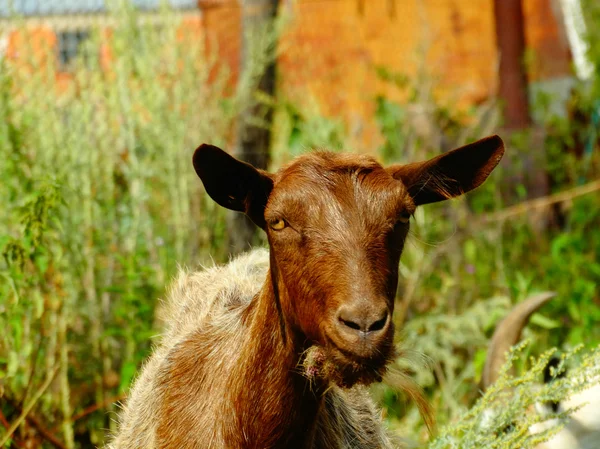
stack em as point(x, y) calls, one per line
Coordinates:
point(201, 315)
point(212, 292)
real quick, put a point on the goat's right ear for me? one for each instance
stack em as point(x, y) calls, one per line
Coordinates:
point(233, 184)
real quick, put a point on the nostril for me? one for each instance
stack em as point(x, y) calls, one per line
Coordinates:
point(362, 321)
point(378, 325)
point(350, 324)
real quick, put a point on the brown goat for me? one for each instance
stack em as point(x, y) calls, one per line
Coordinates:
point(274, 349)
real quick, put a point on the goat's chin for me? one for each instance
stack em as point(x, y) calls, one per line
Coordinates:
point(330, 364)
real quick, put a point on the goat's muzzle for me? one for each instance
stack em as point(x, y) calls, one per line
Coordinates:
point(362, 331)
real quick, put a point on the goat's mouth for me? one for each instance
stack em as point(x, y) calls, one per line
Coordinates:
point(346, 367)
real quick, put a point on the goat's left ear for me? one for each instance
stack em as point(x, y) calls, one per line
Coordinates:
point(450, 174)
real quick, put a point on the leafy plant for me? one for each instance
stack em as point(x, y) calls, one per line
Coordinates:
point(100, 207)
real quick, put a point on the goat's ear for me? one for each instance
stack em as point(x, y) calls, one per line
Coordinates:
point(450, 174)
point(233, 184)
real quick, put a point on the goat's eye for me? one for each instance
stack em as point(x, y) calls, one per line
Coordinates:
point(277, 225)
point(404, 217)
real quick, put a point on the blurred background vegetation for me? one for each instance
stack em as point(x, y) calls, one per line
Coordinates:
point(100, 205)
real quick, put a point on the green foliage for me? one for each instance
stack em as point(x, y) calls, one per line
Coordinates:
point(485, 424)
point(591, 14)
point(100, 206)
point(298, 130)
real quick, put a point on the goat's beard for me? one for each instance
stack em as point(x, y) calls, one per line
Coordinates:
point(330, 365)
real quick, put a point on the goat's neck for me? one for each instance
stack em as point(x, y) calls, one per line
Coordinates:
point(274, 404)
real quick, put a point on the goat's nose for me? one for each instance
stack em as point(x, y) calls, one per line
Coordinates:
point(366, 321)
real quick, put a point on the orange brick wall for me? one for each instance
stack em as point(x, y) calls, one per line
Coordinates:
point(32, 46)
point(330, 49)
point(222, 23)
point(550, 54)
point(331, 52)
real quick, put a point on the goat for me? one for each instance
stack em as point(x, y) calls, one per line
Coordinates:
point(582, 429)
point(276, 348)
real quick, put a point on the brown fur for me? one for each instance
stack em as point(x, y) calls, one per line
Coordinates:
point(273, 351)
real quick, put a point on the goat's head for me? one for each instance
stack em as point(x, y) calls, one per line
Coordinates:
point(336, 226)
